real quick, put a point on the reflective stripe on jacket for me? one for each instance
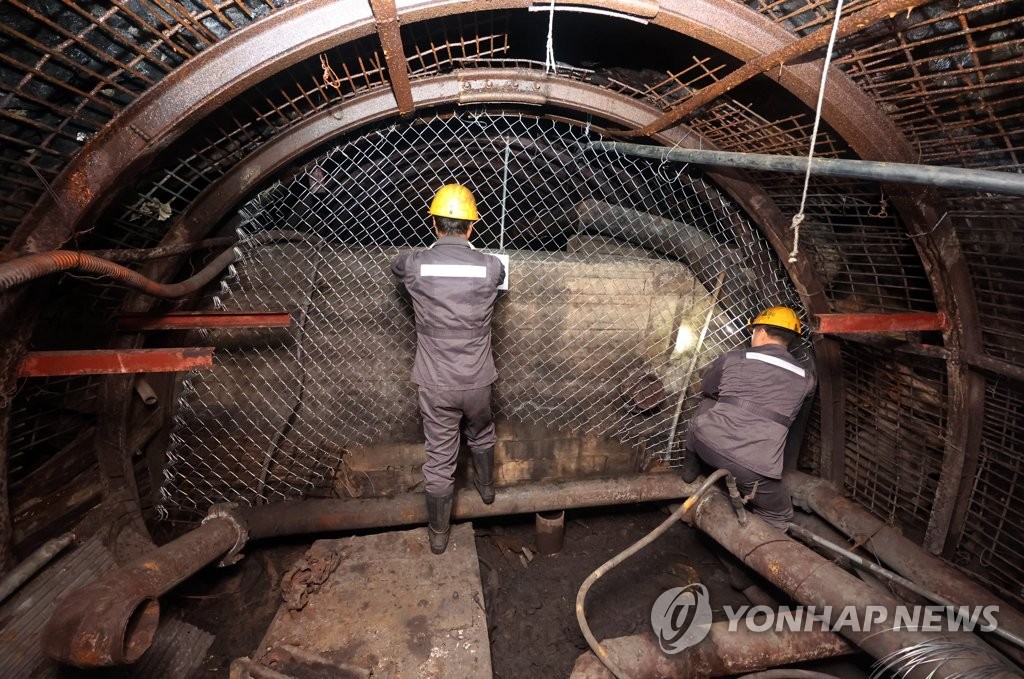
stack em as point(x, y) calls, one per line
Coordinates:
point(751, 396)
point(453, 289)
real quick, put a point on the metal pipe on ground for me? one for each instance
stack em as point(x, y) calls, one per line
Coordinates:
point(812, 580)
point(21, 573)
point(721, 653)
point(1006, 183)
point(112, 621)
point(810, 537)
point(899, 553)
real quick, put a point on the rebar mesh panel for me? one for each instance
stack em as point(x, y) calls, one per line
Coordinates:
point(895, 429)
point(949, 75)
point(46, 415)
point(863, 253)
point(991, 543)
point(991, 234)
point(618, 264)
point(67, 68)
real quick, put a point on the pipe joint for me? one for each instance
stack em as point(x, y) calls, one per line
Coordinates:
point(229, 511)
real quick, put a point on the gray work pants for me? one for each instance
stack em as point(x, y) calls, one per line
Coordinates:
point(443, 414)
point(771, 501)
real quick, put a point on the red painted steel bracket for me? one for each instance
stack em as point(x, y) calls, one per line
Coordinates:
point(110, 362)
point(192, 320)
point(851, 324)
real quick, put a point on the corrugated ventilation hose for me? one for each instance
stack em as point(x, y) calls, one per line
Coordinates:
point(32, 267)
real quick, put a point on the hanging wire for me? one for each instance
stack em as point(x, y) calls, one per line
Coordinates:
point(549, 57)
point(798, 218)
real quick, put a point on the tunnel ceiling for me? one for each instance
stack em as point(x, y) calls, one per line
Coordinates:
point(130, 123)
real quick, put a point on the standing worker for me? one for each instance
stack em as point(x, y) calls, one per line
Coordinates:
point(453, 289)
point(750, 399)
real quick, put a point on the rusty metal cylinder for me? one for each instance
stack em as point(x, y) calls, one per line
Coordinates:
point(901, 554)
point(317, 516)
point(550, 531)
point(812, 580)
point(723, 652)
point(112, 621)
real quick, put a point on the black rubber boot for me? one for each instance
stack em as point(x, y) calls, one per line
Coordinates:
point(483, 462)
point(690, 467)
point(439, 512)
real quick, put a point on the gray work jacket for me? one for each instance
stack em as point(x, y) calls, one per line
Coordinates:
point(453, 288)
point(751, 396)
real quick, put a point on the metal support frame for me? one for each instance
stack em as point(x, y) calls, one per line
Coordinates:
point(113, 362)
point(842, 324)
point(851, 24)
point(385, 16)
point(306, 28)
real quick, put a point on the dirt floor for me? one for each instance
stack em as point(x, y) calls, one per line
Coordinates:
point(530, 603)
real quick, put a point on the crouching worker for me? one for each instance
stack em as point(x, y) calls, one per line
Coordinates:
point(750, 399)
point(453, 289)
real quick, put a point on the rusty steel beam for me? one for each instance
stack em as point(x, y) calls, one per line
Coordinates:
point(110, 362)
point(191, 320)
point(765, 62)
point(840, 324)
point(814, 580)
point(475, 86)
point(722, 653)
point(385, 17)
point(898, 552)
point(859, 121)
point(175, 104)
point(112, 620)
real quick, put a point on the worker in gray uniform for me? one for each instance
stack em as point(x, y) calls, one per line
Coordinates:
point(453, 289)
point(750, 399)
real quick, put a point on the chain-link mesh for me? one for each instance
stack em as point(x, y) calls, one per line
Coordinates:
point(627, 277)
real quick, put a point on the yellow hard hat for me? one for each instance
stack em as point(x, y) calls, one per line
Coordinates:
point(455, 201)
point(780, 317)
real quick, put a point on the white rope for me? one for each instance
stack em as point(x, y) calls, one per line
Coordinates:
point(798, 218)
point(549, 57)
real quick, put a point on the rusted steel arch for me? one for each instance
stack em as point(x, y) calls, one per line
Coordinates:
point(474, 86)
point(856, 118)
point(304, 29)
